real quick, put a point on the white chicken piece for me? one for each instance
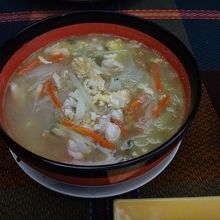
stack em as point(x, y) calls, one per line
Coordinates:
point(119, 99)
point(112, 132)
point(117, 115)
point(79, 145)
point(111, 63)
point(56, 49)
point(74, 106)
point(73, 150)
point(72, 145)
point(94, 85)
point(103, 121)
point(82, 66)
point(75, 155)
point(101, 126)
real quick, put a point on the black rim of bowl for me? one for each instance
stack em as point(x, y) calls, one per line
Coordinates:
point(157, 32)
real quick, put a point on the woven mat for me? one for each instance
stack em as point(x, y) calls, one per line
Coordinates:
point(193, 172)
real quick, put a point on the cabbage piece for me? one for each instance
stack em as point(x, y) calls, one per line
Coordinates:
point(75, 105)
point(84, 144)
point(83, 92)
point(68, 44)
point(59, 131)
point(43, 71)
point(102, 53)
point(142, 144)
point(115, 44)
point(164, 121)
point(130, 78)
point(18, 93)
point(56, 48)
point(132, 74)
point(80, 109)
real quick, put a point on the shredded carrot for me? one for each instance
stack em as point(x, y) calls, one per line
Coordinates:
point(51, 92)
point(135, 104)
point(36, 62)
point(85, 131)
point(56, 57)
point(156, 75)
point(161, 105)
point(122, 128)
point(28, 67)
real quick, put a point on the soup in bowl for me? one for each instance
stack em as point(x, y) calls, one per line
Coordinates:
point(94, 101)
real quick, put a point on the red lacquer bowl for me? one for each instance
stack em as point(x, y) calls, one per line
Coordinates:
point(21, 46)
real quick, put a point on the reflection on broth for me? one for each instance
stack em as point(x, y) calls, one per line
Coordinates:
point(96, 99)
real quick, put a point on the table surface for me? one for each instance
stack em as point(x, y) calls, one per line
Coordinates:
point(197, 24)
